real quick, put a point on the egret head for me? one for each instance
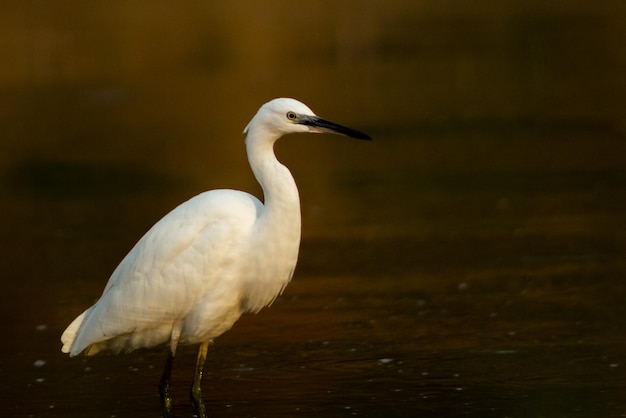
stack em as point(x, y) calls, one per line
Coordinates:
point(283, 116)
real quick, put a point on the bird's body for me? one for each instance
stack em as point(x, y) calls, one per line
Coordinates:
point(216, 256)
point(181, 283)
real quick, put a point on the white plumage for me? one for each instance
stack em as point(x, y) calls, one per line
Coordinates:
point(214, 257)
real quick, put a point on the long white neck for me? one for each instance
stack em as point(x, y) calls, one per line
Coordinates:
point(280, 194)
point(276, 239)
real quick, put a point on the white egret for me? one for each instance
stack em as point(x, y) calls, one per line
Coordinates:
point(214, 257)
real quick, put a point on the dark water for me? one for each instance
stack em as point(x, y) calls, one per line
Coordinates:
point(467, 262)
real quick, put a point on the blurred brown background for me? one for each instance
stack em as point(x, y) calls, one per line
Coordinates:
point(467, 262)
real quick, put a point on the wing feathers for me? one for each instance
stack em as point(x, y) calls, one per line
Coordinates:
point(162, 278)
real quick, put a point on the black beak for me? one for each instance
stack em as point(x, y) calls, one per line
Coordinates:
point(332, 127)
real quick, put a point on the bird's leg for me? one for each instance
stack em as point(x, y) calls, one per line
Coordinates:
point(196, 390)
point(164, 387)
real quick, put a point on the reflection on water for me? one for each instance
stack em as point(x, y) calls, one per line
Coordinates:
point(467, 262)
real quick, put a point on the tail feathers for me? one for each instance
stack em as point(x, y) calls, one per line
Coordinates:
point(80, 337)
point(69, 335)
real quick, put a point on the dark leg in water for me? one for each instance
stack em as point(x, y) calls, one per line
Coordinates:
point(164, 387)
point(196, 390)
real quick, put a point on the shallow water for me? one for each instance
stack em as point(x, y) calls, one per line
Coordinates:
point(467, 262)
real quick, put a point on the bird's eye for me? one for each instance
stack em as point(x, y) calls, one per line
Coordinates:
point(291, 115)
